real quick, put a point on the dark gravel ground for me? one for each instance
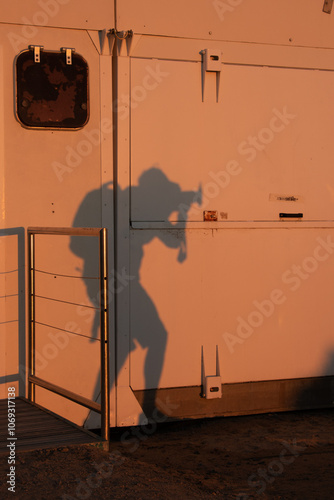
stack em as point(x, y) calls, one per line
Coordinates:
point(273, 456)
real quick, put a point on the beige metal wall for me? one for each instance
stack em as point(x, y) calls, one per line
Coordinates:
point(281, 22)
point(264, 143)
point(45, 176)
point(255, 135)
point(56, 14)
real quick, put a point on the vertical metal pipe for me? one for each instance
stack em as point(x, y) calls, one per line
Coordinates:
point(105, 426)
point(31, 292)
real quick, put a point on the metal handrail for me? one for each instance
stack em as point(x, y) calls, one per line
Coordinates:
point(102, 408)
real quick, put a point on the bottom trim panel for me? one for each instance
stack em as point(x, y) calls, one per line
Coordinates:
point(240, 399)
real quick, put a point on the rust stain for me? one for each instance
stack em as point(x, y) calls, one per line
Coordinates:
point(210, 215)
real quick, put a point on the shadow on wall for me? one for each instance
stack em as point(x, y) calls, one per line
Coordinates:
point(17, 316)
point(319, 393)
point(155, 194)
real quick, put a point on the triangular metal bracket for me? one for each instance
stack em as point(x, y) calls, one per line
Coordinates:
point(124, 41)
point(103, 41)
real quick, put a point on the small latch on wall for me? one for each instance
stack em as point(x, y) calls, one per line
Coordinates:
point(68, 53)
point(212, 60)
point(37, 52)
point(213, 387)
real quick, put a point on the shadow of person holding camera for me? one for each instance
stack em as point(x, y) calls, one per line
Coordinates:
point(155, 198)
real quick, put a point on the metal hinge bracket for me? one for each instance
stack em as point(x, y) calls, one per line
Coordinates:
point(68, 52)
point(37, 52)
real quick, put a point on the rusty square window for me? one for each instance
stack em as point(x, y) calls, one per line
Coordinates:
point(51, 93)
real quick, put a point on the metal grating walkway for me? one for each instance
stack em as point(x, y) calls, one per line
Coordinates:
point(37, 428)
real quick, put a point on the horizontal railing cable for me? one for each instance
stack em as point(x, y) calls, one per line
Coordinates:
point(102, 309)
point(67, 275)
point(67, 331)
point(67, 302)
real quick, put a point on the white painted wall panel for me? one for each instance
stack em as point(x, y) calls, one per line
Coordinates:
point(274, 125)
point(48, 175)
point(274, 22)
point(55, 13)
point(263, 296)
point(268, 139)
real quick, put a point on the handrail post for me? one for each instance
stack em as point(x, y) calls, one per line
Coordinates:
point(105, 425)
point(31, 291)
